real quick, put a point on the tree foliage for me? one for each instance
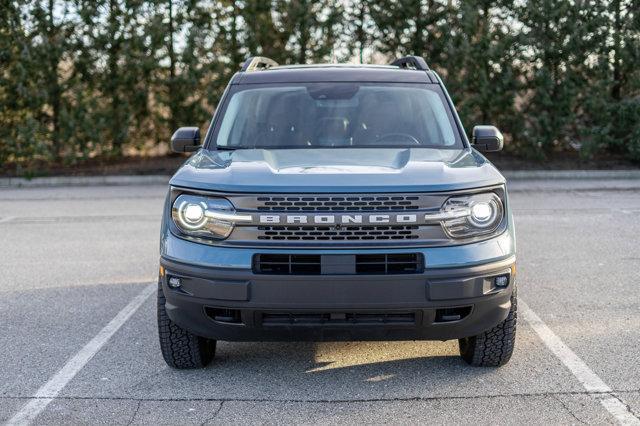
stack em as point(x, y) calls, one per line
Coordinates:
point(80, 78)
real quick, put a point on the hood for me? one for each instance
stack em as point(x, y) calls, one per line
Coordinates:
point(334, 170)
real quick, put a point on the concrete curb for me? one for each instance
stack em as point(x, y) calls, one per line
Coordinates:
point(82, 181)
point(570, 174)
point(511, 175)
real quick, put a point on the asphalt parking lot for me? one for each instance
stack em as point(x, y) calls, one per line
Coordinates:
point(76, 261)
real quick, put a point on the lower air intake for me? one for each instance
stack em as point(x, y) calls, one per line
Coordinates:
point(358, 264)
point(452, 314)
point(347, 318)
point(405, 263)
point(229, 316)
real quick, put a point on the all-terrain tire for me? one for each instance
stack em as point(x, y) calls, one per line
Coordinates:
point(180, 348)
point(494, 347)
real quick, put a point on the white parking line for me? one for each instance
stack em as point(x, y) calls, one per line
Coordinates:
point(52, 388)
point(589, 380)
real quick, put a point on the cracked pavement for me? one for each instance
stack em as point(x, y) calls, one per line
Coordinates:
point(72, 258)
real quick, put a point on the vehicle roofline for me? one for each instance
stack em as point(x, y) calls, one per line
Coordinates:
point(249, 83)
point(329, 65)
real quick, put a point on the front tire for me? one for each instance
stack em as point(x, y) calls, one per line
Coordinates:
point(180, 348)
point(494, 347)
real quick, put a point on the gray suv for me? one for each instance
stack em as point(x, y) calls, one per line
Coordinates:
point(336, 202)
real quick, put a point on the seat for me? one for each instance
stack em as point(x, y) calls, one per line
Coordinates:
point(381, 114)
point(332, 131)
point(281, 127)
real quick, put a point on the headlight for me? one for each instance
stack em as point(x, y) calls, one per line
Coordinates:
point(471, 215)
point(204, 217)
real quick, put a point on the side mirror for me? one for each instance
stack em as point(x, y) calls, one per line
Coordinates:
point(186, 139)
point(487, 139)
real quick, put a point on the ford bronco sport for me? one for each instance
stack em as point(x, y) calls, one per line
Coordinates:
point(337, 202)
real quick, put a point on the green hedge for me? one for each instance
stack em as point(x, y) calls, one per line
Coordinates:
point(81, 78)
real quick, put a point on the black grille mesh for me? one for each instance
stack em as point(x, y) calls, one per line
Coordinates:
point(349, 233)
point(338, 203)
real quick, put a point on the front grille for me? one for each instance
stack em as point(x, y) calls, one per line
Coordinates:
point(344, 233)
point(358, 264)
point(345, 318)
point(347, 234)
point(339, 203)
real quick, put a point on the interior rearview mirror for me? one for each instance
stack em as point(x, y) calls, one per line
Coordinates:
point(487, 139)
point(186, 139)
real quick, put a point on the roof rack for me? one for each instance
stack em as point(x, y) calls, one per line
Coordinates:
point(412, 63)
point(258, 63)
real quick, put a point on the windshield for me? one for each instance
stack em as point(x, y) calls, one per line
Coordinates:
point(337, 115)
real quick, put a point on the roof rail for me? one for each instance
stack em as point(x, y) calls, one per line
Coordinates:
point(258, 63)
point(412, 63)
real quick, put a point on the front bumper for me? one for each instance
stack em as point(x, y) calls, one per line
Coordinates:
point(236, 304)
